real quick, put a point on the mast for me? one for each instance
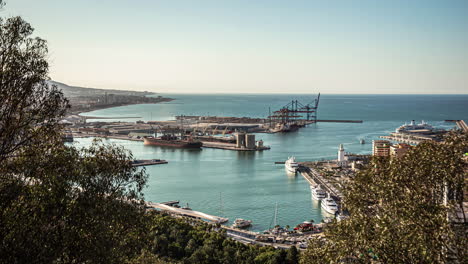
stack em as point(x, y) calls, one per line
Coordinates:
point(276, 215)
point(221, 205)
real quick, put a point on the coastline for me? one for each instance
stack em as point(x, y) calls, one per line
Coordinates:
point(79, 112)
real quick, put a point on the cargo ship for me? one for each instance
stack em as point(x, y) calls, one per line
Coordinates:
point(172, 141)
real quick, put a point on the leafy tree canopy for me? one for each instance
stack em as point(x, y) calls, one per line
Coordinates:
point(397, 210)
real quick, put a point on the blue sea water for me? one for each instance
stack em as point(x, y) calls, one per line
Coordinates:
point(249, 184)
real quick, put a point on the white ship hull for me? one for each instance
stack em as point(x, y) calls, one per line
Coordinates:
point(329, 206)
point(291, 165)
point(318, 194)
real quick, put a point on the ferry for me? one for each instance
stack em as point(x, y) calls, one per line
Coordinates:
point(291, 165)
point(329, 205)
point(317, 193)
point(414, 126)
point(242, 223)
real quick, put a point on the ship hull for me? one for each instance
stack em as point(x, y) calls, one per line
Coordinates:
point(172, 143)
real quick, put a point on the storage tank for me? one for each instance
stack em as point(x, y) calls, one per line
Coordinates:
point(250, 141)
point(240, 140)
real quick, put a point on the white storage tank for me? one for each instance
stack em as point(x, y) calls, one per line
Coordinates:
point(250, 141)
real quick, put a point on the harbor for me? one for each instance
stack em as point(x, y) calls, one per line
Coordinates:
point(249, 180)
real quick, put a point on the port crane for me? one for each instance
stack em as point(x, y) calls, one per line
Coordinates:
point(294, 111)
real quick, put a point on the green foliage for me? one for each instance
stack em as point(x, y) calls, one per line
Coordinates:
point(60, 204)
point(397, 210)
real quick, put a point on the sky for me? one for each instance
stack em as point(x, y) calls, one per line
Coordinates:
point(262, 46)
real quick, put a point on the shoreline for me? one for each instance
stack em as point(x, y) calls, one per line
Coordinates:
point(101, 107)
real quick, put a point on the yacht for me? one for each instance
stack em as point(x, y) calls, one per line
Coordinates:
point(291, 164)
point(241, 223)
point(317, 193)
point(414, 126)
point(329, 205)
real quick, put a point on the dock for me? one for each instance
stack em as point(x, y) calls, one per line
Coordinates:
point(339, 121)
point(404, 139)
point(314, 178)
point(461, 124)
point(230, 146)
point(185, 212)
point(138, 163)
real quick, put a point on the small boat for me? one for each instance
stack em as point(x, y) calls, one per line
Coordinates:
point(305, 227)
point(291, 165)
point(362, 141)
point(329, 205)
point(186, 207)
point(317, 193)
point(242, 223)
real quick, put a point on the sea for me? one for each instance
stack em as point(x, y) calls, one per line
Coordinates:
point(248, 185)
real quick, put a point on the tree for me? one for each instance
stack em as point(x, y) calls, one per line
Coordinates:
point(397, 210)
point(57, 203)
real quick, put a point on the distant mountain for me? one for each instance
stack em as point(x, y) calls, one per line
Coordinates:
point(75, 91)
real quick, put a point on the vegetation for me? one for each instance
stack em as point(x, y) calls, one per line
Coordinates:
point(61, 204)
point(397, 210)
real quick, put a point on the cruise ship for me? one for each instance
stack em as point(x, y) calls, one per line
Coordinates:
point(317, 193)
point(329, 205)
point(291, 165)
point(414, 126)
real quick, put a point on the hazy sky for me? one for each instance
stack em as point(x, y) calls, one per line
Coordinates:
point(255, 46)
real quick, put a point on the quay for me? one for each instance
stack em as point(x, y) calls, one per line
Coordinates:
point(137, 163)
point(314, 178)
point(339, 121)
point(185, 212)
point(404, 139)
point(230, 146)
point(460, 124)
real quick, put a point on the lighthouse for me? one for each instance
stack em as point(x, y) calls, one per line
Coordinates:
point(341, 157)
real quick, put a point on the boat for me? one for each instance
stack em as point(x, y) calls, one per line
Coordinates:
point(304, 227)
point(414, 126)
point(362, 141)
point(317, 193)
point(329, 205)
point(277, 229)
point(291, 164)
point(241, 223)
point(172, 141)
point(186, 207)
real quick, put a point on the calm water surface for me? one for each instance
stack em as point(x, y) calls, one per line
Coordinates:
point(249, 184)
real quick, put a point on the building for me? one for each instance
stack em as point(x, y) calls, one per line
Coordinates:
point(381, 148)
point(342, 161)
point(399, 150)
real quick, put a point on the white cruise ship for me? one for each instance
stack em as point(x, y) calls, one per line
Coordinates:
point(414, 126)
point(291, 165)
point(329, 205)
point(317, 193)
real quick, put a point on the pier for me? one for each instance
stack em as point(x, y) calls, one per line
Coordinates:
point(230, 146)
point(339, 121)
point(185, 212)
point(137, 163)
point(314, 179)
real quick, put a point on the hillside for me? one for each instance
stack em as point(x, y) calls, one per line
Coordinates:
point(76, 91)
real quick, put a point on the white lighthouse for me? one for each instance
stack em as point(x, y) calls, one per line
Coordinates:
point(341, 157)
